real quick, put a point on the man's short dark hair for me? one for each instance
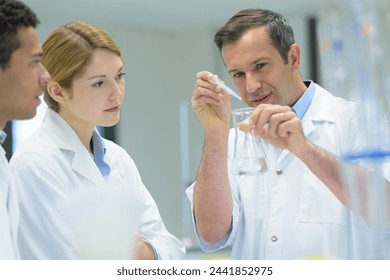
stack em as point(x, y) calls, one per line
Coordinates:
point(14, 15)
point(279, 30)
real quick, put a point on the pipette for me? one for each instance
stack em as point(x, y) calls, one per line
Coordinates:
point(218, 82)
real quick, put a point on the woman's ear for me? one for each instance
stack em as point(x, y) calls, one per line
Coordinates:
point(55, 91)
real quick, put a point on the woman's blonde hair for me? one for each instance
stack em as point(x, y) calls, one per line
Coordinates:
point(67, 51)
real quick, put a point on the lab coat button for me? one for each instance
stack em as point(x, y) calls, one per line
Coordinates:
point(274, 238)
point(279, 171)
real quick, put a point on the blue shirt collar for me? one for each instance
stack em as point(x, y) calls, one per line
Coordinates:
point(99, 150)
point(300, 107)
point(3, 135)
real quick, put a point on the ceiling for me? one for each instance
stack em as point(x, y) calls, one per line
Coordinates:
point(173, 15)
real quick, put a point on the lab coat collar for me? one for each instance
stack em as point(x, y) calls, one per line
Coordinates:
point(2, 151)
point(67, 140)
point(316, 111)
point(3, 135)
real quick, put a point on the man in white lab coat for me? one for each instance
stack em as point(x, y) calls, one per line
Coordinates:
point(298, 209)
point(22, 77)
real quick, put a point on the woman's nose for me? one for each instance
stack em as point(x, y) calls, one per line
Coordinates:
point(117, 90)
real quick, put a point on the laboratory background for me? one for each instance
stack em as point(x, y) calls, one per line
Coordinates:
point(165, 43)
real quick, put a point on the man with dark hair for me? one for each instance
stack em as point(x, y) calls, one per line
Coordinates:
point(299, 208)
point(22, 78)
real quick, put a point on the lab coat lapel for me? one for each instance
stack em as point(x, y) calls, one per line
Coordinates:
point(68, 142)
point(84, 165)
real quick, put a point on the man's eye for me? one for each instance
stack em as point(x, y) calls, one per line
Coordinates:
point(260, 65)
point(237, 75)
point(35, 63)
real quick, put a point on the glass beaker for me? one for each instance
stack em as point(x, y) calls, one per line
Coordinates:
point(248, 155)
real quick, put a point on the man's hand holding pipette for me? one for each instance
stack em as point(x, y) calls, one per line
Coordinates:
point(211, 103)
point(218, 82)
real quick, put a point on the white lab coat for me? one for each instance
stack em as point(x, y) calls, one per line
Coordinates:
point(50, 166)
point(9, 212)
point(288, 213)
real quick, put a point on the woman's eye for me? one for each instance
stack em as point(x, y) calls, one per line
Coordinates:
point(120, 76)
point(98, 84)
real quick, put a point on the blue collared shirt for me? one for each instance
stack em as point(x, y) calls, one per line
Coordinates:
point(3, 135)
point(99, 150)
point(300, 107)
